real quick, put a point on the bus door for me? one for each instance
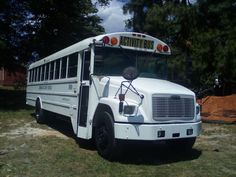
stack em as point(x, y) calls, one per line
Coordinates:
point(84, 93)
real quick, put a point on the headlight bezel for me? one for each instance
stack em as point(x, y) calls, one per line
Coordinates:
point(129, 110)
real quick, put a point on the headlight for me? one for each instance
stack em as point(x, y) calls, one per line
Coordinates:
point(129, 110)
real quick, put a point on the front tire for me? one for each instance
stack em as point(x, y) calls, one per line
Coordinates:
point(107, 146)
point(39, 113)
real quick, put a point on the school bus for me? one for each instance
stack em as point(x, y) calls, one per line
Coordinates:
point(113, 88)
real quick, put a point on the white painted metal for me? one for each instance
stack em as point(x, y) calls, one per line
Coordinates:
point(62, 96)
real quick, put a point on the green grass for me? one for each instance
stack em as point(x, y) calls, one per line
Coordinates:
point(23, 153)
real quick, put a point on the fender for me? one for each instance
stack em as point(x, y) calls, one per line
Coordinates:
point(114, 106)
point(109, 104)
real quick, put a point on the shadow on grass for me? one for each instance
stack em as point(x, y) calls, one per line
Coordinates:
point(58, 123)
point(139, 153)
point(12, 100)
point(62, 125)
point(155, 153)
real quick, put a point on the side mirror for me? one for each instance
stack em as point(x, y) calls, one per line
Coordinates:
point(130, 73)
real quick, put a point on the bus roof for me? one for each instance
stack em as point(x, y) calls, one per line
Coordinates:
point(127, 40)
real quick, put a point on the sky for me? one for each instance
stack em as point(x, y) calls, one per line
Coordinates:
point(113, 17)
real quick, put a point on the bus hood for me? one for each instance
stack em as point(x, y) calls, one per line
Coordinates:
point(152, 86)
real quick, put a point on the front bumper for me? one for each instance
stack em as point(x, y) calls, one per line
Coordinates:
point(128, 131)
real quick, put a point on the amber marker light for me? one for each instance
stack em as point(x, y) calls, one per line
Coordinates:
point(114, 41)
point(159, 47)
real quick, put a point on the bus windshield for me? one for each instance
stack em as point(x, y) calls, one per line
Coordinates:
point(112, 61)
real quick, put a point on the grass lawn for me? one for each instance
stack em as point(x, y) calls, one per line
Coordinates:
point(31, 149)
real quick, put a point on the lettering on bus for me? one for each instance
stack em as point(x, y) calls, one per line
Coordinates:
point(137, 43)
point(45, 87)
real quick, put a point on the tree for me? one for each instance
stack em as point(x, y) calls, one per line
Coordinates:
point(169, 21)
point(201, 35)
point(62, 23)
point(43, 27)
point(12, 22)
point(214, 41)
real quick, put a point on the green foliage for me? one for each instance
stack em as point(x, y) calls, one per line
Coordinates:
point(43, 27)
point(201, 36)
point(214, 44)
point(62, 23)
point(11, 25)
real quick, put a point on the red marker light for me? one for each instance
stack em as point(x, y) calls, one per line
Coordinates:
point(165, 48)
point(121, 97)
point(106, 40)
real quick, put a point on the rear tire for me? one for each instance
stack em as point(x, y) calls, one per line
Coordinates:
point(107, 146)
point(39, 113)
point(182, 145)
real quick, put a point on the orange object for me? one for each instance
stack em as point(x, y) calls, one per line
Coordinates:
point(114, 41)
point(159, 47)
point(220, 109)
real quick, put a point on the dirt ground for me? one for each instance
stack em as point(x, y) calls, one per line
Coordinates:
point(219, 109)
point(28, 130)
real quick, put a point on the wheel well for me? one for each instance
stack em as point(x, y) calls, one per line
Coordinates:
point(101, 108)
point(38, 100)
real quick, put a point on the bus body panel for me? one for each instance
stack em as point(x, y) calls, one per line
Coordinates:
point(150, 131)
point(59, 97)
point(65, 96)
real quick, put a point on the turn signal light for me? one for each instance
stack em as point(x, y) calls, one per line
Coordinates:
point(114, 41)
point(121, 97)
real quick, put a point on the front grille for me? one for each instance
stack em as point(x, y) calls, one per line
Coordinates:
point(172, 107)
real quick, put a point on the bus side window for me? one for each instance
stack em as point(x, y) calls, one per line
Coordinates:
point(86, 66)
point(57, 69)
point(43, 73)
point(35, 74)
point(30, 75)
point(52, 70)
point(39, 73)
point(63, 67)
point(73, 64)
point(47, 71)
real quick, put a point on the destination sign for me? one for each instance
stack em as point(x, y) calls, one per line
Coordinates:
point(137, 43)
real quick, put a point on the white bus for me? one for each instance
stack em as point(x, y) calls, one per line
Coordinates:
point(113, 88)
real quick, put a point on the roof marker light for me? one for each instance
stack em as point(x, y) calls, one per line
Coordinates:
point(114, 41)
point(165, 48)
point(159, 47)
point(106, 40)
